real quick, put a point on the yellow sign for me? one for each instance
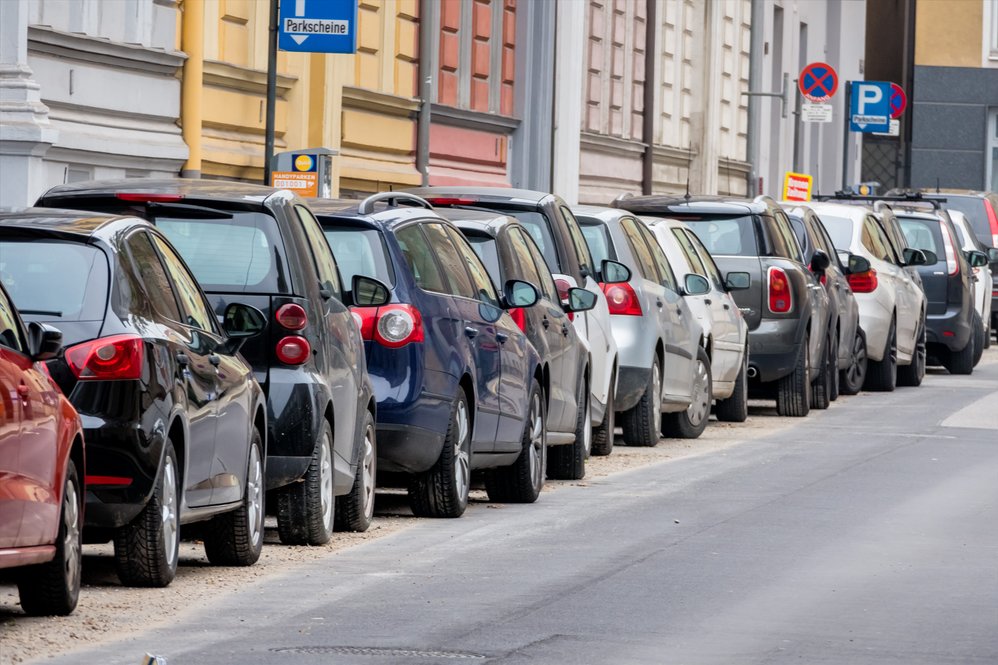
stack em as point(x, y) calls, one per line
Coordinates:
point(796, 186)
point(305, 184)
point(304, 163)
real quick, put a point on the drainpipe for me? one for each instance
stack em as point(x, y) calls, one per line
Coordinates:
point(427, 16)
point(650, 113)
point(192, 85)
point(755, 80)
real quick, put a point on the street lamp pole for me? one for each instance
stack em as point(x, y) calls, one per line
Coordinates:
point(268, 155)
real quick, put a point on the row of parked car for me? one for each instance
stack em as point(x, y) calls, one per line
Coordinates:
point(197, 354)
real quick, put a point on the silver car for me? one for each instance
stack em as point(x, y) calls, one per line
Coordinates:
point(664, 385)
point(723, 325)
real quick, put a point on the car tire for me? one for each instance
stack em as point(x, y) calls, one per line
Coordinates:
point(642, 423)
point(305, 509)
point(603, 434)
point(912, 375)
point(53, 588)
point(881, 375)
point(146, 550)
point(734, 409)
point(821, 391)
point(962, 362)
point(236, 538)
point(852, 377)
point(979, 337)
point(692, 421)
point(568, 462)
point(443, 490)
point(355, 510)
point(522, 481)
point(836, 388)
point(793, 391)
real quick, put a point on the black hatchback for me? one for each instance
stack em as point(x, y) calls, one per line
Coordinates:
point(262, 246)
point(173, 420)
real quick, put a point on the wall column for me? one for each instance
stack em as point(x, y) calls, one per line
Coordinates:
point(570, 41)
point(191, 107)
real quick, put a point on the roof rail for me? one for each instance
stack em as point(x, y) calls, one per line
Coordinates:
point(366, 206)
point(934, 200)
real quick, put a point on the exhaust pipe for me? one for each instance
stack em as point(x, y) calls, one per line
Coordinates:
point(753, 372)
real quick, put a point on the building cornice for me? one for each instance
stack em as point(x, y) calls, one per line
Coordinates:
point(672, 155)
point(455, 117)
point(611, 144)
point(245, 79)
point(85, 48)
point(379, 102)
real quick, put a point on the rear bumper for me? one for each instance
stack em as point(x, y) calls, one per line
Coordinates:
point(773, 349)
point(118, 450)
point(952, 329)
point(408, 449)
point(632, 382)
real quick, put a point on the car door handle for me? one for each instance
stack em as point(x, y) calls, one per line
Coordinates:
point(708, 301)
point(471, 332)
point(564, 329)
point(501, 337)
point(215, 360)
point(182, 359)
point(545, 322)
point(658, 302)
point(726, 306)
point(679, 311)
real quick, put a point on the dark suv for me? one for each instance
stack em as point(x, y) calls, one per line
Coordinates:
point(263, 247)
point(785, 306)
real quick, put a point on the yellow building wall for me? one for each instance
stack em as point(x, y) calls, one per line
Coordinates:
point(948, 33)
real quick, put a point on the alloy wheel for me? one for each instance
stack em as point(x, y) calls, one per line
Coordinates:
point(72, 543)
point(536, 450)
point(326, 483)
point(587, 430)
point(168, 512)
point(700, 405)
point(254, 496)
point(369, 473)
point(462, 461)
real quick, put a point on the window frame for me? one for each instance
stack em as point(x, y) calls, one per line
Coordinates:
point(160, 243)
point(133, 260)
point(316, 250)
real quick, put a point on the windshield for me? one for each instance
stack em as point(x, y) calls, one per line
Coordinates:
point(725, 236)
point(973, 209)
point(359, 251)
point(840, 230)
point(539, 228)
point(598, 238)
point(487, 250)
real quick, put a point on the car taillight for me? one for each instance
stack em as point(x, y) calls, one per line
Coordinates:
point(863, 282)
point(291, 316)
point(992, 222)
point(450, 200)
point(293, 350)
point(563, 286)
point(781, 296)
point(148, 198)
point(365, 318)
point(949, 246)
point(622, 299)
point(108, 358)
point(398, 325)
point(519, 316)
point(823, 279)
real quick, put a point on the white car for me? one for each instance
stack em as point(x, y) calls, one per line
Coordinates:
point(723, 325)
point(891, 303)
point(983, 281)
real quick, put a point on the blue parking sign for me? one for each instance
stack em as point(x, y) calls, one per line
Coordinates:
point(318, 26)
point(870, 106)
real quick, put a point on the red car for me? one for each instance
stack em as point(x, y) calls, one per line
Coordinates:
point(41, 469)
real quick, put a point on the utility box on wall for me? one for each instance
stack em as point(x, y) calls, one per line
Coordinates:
point(307, 172)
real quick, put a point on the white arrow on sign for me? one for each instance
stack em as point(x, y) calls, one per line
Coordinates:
point(299, 11)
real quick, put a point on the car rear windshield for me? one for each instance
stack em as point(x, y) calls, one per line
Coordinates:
point(598, 238)
point(725, 236)
point(840, 230)
point(359, 251)
point(240, 252)
point(55, 281)
point(923, 234)
point(973, 209)
point(488, 251)
point(539, 228)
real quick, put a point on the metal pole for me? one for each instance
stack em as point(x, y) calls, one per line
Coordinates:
point(845, 136)
point(649, 113)
point(755, 80)
point(192, 85)
point(797, 147)
point(268, 154)
point(427, 63)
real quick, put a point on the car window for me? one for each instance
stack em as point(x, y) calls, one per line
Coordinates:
point(725, 236)
point(974, 210)
point(689, 252)
point(197, 314)
point(359, 251)
point(666, 276)
point(526, 269)
point(539, 228)
point(875, 241)
point(923, 234)
point(581, 248)
point(641, 252)
point(419, 257)
point(485, 290)
point(789, 247)
point(322, 255)
point(487, 250)
point(840, 230)
point(800, 233)
point(10, 331)
point(155, 280)
point(548, 287)
point(707, 260)
point(455, 275)
point(597, 237)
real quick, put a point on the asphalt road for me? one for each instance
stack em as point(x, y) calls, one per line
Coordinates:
point(865, 534)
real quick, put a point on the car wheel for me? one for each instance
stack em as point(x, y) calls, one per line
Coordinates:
point(912, 375)
point(882, 374)
point(236, 538)
point(979, 337)
point(643, 422)
point(443, 490)
point(962, 362)
point(146, 551)
point(523, 481)
point(52, 588)
point(568, 462)
point(835, 388)
point(793, 391)
point(853, 376)
point(603, 434)
point(734, 409)
point(305, 509)
point(691, 423)
point(821, 391)
point(355, 511)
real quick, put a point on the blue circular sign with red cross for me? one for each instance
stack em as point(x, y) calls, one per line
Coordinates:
point(899, 101)
point(818, 82)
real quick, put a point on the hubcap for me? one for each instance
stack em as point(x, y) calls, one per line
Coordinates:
point(71, 543)
point(326, 483)
point(920, 349)
point(462, 463)
point(368, 474)
point(536, 450)
point(168, 512)
point(857, 361)
point(698, 408)
point(587, 428)
point(254, 496)
point(656, 387)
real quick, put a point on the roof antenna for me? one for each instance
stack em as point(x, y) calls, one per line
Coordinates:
point(689, 167)
point(937, 184)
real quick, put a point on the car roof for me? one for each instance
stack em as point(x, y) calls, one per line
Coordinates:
point(663, 222)
point(384, 216)
point(215, 190)
point(479, 220)
point(67, 224)
point(658, 203)
point(601, 213)
point(850, 210)
point(485, 193)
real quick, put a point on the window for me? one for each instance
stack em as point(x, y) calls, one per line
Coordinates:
point(840, 230)
point(539, 228)
point(642, 255)
point(488, 252)
point(668, 278)
point(875, 240)
point(10, 331)
point(485, 291)
point(197, 314)
point(598, 239)
point(689, 252)
point(707, 259)
point(359, 251)
point(793, 248)
point(797, 225)
point(991, 6)
point(548, 287)
point(923, 234)
point(325, 264)
point(581, 248)
point(419, 258)
point(726, 236)
point(155, 281)
point(526, 270)
point(455, 275)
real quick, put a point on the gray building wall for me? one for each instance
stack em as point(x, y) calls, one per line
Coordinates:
point(950, 126)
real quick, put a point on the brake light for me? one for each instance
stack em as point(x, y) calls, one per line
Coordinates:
point(519, 316)
point(622, 299)
point(365, 318)
point(398, 325)
point(118, 357)
point(863, 282)
point(823, 279)
point(148, 198)
point(781, 296)
point(563, 286)
point(450, 201)
point(992, 221)
point(291, 316)
point(293, 350)
point(107, 481)
point(949, 246)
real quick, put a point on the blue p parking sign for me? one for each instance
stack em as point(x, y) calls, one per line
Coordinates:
point(318, 26)
point(870, 106)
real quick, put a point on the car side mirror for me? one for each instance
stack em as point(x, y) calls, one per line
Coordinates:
point(44, 341)
point(930, 257)
point(695, 285)
point(737, 281)
point(368, 292)
point(856, 264)
point(914, 257)
point(240, 322)
point(977, 259)
point(614, 272)
point(579, 300)
point(518, 293)
point(820, 262)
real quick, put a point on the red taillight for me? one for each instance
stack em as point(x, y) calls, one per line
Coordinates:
point(992, 222)
point(293, 350)
point(291, 316)
point(117, 357)
point(365, 318)
point(149, 198)
point(563, 286)
point(863, 282)
point(107, 481)
point(823, 279)
point(781, 296)
point(519, 316)
point(622, 299)
point(450, 200)
point(949, 246)
point(398, 325)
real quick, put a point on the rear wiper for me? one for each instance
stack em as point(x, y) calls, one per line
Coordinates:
point(41, 312)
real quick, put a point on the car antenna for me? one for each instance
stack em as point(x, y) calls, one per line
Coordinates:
point(689, 167)
point(937, 184)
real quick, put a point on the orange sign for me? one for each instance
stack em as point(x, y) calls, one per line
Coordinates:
point(303, 184)
point(797, 187)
